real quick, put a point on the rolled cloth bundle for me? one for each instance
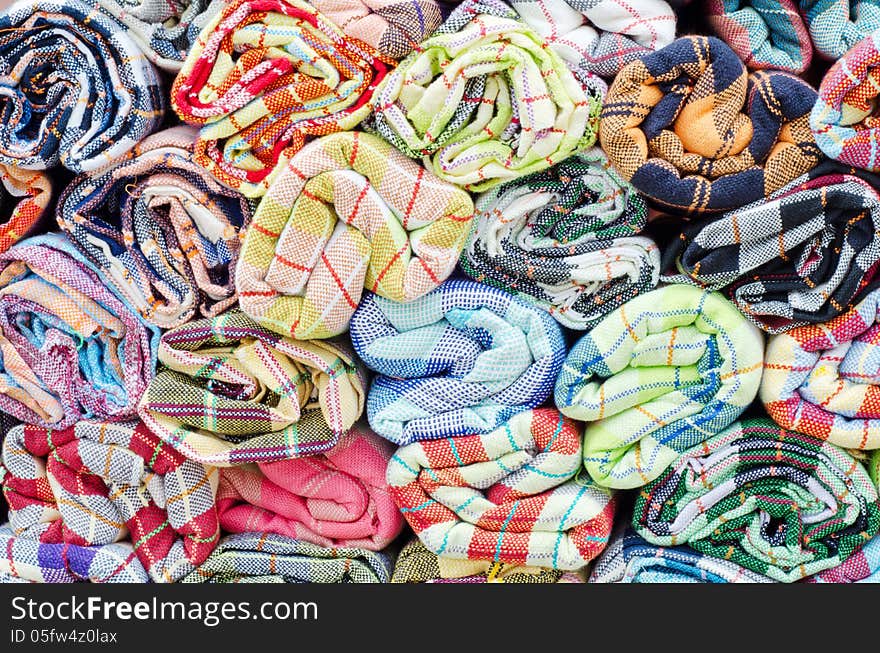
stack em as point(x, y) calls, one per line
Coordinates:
point(514, 495)
point(262, 77)
point(801, 256)
point(485, 101)
point(271, 558)
point(337, 499)
point(97, 483)
point(65, 64)
point(229, 392)
point(780, 503)
point(460, 360)
point(694, 132)
point(564, 239)
point(160, 229)
point(349, 212)
point(659, 375)
point(71, 349)
point(861, 567)
point(24, 197)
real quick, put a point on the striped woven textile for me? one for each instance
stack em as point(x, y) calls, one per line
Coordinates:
point(94, 484)
point(349, 212)
point(416, 564)
point(780, 503)
point(336, 499)
point(460, 360)
point(71, 349)
point(515, 495)
point(564, 239)
point(537, 114)
point(162, 231)
point(657, 376)
point(263, 76)
point(229, 392)
point(697, 134)
point(24, 199)
point(101, 97)
point(801, 256)
point(861, 567)
point(271, 558)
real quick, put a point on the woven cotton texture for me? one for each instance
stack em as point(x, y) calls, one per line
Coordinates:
point(692, 131)
point(229, 392)
point(24, 198)
point(861, 567)
point(458, 361)
point(780, 503)
point(101, 97)
point(563, 239)
point(162, 231)
point(262, 77)
point(98, 483)
point(659, 375)
point(514, 495)
point(349, 212)
point(336, 499)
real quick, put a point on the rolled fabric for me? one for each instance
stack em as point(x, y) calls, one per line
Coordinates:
point(94, 484)
point(463, 359)
point(513, 496)
point(264, 75)
point(229, 392)
point(24, 198)
point(349, 212)
point(565, 239)
point(160, 229)
point(694, 132)
point(861, 567)
point(780, 503)
point(803, 255)
point(659, 375)
point(336, 499)
point(483, 100)
point(71, 349)
point(65, 63)
point(272, 558)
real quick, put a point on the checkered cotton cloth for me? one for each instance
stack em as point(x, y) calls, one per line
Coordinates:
point(861, 567)
point(161, 230)
point(24, 198)
point(780, 503)
point(460, 360)
point(71, 349)
point(515, 495)
point(564, 239)
point(263, 76)
point(75, 89)
point(229, 392)
point(97, 483)
point(483, 100)
point(336, 499)
point(659, 375)
point(270, 558)
point(696, 134)
point(350, 212)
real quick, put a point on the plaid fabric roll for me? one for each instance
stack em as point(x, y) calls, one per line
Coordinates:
point(513, 495)
point(484, 100)
point(94, 484)
point(696, 134)
point(337, 499)
point(801, 256)
point(861, 567)
point(75, 87)
point(271, 558)
point(71, 349)
point(229, 392)
point(563, 239)
point(657, 376)
point(160, 229)
point(349, 212)
point(416, 564)
point(262, 77)
point(24, 197)
point(460, 360)
point(780, 503)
